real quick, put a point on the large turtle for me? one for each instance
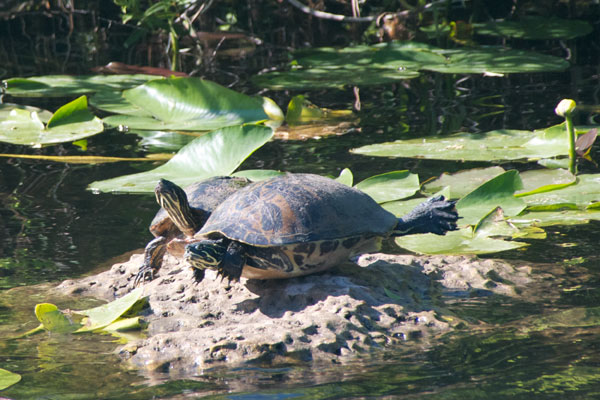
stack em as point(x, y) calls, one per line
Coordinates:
point(193, 207)
point(299, 224)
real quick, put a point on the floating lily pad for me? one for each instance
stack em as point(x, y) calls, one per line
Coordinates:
point(346, 177)
point(462, 182)
point(390, 186)
point(71, 122)
point(545, 180)
point(8, 378)
point(496, 60)
point(67, 85)
point(557, 217)
point(536, 28)
point(217, 153)
point(495, 145)
point(585, 193)
point(187, 104)
point(114, 102)
point(6, 108)
point(497, 192)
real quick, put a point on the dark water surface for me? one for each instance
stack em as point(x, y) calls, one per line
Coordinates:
point(52, 228)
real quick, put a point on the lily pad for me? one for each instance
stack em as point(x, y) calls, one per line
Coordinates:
point(497, 192)
point(536, 28)
point(67, 85)
point(462, 182)
point(106, 314)
point(545, 180)
point(71, 122)
point(8, 378)
point(585, 193)
point(52, 319)
point(6, 108)
point(114, 102)
point(187, 104)
point(390, 186)
point(218, 153)
point(558, 217)
point(495, 145)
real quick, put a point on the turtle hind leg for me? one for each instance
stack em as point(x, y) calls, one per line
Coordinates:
point(233, 262)
point(436, 215)
point(153, 255)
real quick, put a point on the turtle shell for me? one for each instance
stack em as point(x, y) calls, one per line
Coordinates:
point(203, 196)
point(297, 208)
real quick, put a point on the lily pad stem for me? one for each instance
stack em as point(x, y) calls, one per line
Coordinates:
point(565, 109)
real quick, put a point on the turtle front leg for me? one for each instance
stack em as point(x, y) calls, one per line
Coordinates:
point(436, 215)
point(153, 255)
point(233, 262)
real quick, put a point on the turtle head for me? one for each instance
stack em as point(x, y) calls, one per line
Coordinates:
point(206, 254)
point(174, 201)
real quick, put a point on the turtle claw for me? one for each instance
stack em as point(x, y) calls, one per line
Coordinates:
point(146, 273)
point(198, 274)
point(436, 215)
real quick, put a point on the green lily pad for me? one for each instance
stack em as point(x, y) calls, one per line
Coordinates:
point(390, 186)
point(558, 217)
point(545, 180)
point(187, 104)
point(6, 108)
point(106, 314)
point(495, 145)
point(585, 193)
point(497, 192)
point(71, 122)
point(114, 102)
point(218, 153)
point(462, 182)
point(67, 85)
point(8, 378)
point(53, 320)
point(346, 177)
point(496, 60)
point(536, 28)
point(455, 242)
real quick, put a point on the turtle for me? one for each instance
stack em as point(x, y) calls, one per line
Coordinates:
point(193, 207)
point(298, 224)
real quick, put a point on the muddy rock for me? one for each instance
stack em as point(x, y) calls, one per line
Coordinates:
point(357, 308)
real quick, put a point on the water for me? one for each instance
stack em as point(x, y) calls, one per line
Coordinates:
point(52, 229)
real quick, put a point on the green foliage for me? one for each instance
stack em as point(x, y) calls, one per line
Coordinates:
point(8, 378)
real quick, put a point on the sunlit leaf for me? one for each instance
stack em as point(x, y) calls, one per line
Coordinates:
point(544, 180)
point(556, 217)
point(114, 102)
point(584, 193)
point(217, 153)
point(71, 122)
point(390, 186)
point(188, 104)
point(69, 85)
point(6, 108)
point(8, 378)
point(258, 174)
point(497, 192)
point(126, 324)
point(489, 146)
point(346, 177)
point(106, 314)
point(462, 182)
point(536, 28)
point(155, 141)
point(53, 320)
point(89, 159)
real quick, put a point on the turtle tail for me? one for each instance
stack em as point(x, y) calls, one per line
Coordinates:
point(436, 215)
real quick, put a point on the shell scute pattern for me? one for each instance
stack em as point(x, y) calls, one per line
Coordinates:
point(298, 209)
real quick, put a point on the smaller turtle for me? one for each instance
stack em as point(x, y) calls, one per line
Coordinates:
point(183, 212)
point(299, 224)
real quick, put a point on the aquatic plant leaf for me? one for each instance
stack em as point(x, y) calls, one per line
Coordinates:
point(329, 78)
point(53, 320)
point(346, 177)
point(585, 193)
point(258, 174)
point(6, 108)
point(106, 314)
point(556, 217)
point(89, 159)
point(113, 102)
point(390, 186)
point(217, 153)
point(544, 180)
point(188, 104)
point(8, 378)
point(456, 242)
point(155, 141)
point(496, 60)
point(69, 85)
point(126, 324)
point(495, 145)
point(535, 28)
point(462, 182)
point(69, 123)
point(497, 192)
